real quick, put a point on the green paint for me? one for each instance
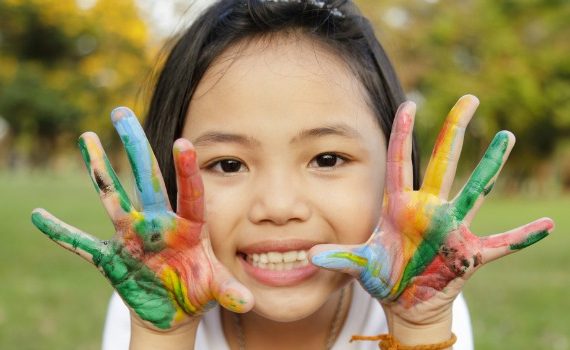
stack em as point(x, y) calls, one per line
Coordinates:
point(139, 286)
point(435, 235)
point(487, 168)
point(62, 234)
point(530, 240)
point(87, 159)
point(180, 296)
point(84, 151)
point(150, 229)
point(358, 260)
point(123, 197)
point(131, 154)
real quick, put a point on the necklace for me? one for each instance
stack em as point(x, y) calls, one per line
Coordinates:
point(333, 330)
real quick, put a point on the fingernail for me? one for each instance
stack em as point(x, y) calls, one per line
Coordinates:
point(121, 112)
point(404, 121)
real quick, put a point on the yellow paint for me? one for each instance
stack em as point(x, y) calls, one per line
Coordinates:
point(439, 163)
point(136, 215)
point(414, 223)
point(155, 170)
point(177, 288)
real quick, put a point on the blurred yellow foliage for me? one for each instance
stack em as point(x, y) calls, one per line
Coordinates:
point(64, 65)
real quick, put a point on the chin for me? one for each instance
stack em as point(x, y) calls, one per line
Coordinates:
point(293, 303)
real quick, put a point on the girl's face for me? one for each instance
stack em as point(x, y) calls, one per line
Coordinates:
point(291, 156)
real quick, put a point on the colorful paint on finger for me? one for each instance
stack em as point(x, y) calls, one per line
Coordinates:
point(143, 163)
point(190, 187)
point(101, 172)
point(448, 142)
point(481, 180)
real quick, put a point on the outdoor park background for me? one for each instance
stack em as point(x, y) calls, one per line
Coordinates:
point(65, 64)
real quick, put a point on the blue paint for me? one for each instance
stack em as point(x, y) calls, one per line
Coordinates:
point(141, 158)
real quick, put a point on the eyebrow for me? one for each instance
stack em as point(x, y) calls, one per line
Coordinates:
point(223, 137)
point(342, 130)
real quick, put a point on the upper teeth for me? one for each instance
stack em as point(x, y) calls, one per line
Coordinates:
point(277, 257)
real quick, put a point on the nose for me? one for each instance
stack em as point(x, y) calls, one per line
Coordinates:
point(279, 198)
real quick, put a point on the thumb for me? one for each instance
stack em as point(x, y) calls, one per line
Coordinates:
point(368, 263)
point(341, 258)
point(230, 293)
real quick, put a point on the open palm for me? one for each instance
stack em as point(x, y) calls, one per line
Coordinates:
point(422, 250)
point(160, 262)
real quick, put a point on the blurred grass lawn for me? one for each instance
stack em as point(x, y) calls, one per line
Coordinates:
point(49, 299)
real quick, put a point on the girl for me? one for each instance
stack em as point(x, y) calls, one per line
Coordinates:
point(289, 108)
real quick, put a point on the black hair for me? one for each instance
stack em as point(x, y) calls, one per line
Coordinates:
point(336, 23)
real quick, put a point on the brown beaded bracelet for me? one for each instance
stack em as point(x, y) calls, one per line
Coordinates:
point(388, 342)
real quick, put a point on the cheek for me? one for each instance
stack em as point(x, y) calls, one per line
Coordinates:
point(354, 208)
point(222, 209)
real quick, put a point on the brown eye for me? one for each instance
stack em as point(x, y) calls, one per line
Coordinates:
point(227, 166)
point(327, 160)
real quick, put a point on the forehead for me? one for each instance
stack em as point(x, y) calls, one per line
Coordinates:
point(288, 80)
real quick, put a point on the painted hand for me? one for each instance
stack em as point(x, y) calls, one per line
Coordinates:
point(422, 250)
point(160, 262)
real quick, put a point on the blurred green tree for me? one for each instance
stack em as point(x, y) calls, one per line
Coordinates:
point(63, 65)
point(512, 54)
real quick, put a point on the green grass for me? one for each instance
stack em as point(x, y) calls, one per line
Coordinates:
point(50, 299)
point(522, 301)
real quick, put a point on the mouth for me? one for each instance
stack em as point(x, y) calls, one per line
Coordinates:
point(277, 261)
point(278, 264)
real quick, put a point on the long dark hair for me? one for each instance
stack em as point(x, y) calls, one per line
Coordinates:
point(336, 23)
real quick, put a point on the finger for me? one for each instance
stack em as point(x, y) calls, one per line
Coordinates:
point(502, 244)
point(190, 188)
point(107, 184)
point(442, 165)
point(369, 263)
point(230, 293)
point(69, 237)
point(399, 176)
point(485, 174)
point(148, 179)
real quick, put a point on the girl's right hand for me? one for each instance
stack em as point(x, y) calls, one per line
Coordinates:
point(160, 262)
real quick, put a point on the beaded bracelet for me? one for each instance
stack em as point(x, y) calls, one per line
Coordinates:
point(388, 342)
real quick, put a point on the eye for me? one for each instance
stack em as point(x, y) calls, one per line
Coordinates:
point(327, 160)
point(227, 166)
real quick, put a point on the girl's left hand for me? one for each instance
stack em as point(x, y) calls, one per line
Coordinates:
point(422, 251)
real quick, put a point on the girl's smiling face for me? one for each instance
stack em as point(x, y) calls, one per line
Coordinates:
point(291, 156)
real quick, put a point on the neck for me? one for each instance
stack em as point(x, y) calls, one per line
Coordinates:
point(312, 332)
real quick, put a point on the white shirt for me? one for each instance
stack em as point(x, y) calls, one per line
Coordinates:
point(365, 317)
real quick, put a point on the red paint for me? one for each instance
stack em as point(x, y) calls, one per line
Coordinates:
point(517, 235)
point(190, 186)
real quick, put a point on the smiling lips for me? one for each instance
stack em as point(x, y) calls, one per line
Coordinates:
point(278, 264)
